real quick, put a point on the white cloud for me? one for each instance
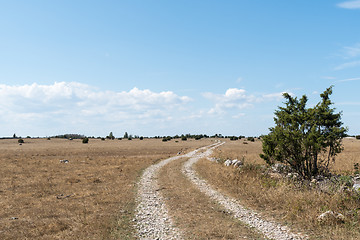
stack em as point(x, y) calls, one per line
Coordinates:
point(352, 51)
point(237, 99)
point(350, 4)
point(347, 65)
point(349, 80)
point(68, 103)
point(232, 99)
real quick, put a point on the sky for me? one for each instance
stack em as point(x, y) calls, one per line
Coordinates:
point(159, 67)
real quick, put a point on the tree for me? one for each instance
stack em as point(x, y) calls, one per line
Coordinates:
point(306, 139)
point(111, 136)
point(126, 135)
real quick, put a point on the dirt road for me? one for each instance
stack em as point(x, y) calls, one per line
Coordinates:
point(154, 218)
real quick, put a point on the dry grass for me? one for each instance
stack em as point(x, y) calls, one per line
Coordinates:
point(278, 199)
point(194, 213)
point(250, 152)
point(91, 197)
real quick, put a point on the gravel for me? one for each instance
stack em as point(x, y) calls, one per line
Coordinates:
point(152, 220)
point(270, 229)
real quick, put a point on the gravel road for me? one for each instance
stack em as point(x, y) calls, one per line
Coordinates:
point(151, 215)
point(270, 229)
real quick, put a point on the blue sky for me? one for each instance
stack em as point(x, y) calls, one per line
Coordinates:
point(171, 67)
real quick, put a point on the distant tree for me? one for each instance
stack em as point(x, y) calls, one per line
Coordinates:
point(126, 135)
point(111, 136)
point(14, 136)
point(306, 139)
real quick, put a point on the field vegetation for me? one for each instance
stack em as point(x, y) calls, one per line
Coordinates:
point(295, 203)
point(62, 189)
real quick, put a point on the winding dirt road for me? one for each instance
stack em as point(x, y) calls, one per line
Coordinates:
point(152, 216)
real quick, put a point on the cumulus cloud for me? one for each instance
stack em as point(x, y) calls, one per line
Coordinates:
point(232, 99)
point(238, 99)
point(350, 4)
point(73, 103)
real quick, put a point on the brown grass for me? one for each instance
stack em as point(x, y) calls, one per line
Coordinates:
point(194, 213)
point(276, 198)
point(91, 197)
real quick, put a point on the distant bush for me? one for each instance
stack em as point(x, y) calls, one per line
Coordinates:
point(183, 138)
point(165, 139)
point(141, 138)
point(251, 139)
point(20, 140)
point(28, 137)
point(48, 138)
point(233, 138)
point(358, 137)
point(85, 140)
point(102, 139)
point(130, 138)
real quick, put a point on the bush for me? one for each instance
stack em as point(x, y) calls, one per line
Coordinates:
point(301, 135)
point(233, 138)
point(358, 137)
point(141, 138)
point(85, 140)
point(183, 138)
point(20, 140)
point(251, 139)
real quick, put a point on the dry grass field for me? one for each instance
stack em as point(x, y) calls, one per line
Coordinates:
point(296, 206)
point(91, 197)
point(249, 151)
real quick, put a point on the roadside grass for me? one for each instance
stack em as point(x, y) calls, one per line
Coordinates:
point(90, 197)
point(194, 213)
point(295, 205)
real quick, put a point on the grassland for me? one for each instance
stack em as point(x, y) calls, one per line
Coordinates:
point(297, 206)
point(91, 197)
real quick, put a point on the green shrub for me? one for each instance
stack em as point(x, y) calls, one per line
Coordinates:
point(251, 139)
point(20, 140)
point(183, 138)
point(358, 137)
point(85, 140)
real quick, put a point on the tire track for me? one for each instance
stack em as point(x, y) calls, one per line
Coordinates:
point(270, 229)
point(151, 215)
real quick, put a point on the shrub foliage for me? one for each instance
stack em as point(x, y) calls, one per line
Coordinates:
point(306, 139)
